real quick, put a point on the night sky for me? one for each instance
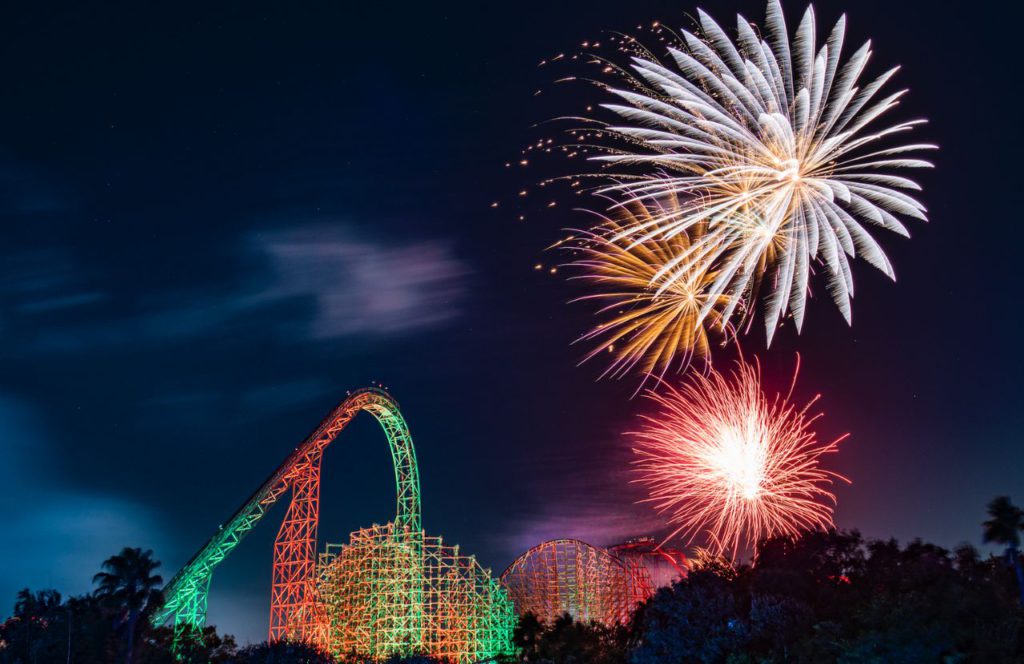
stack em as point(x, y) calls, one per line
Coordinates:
point(216, 220)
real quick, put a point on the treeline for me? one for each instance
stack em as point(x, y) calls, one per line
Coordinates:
point(825, 597)
point(821, 597)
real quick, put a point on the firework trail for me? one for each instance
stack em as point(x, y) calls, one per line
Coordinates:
point(721, 459)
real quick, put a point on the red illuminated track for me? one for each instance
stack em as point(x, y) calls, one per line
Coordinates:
point(295, 612)
point(569, 576)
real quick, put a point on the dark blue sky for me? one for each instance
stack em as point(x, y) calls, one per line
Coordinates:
point(217, 220)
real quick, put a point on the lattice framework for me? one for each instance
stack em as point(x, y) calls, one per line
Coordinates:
point(294, 610)
point(570, 576)
point(452, 609)
point(391, 590)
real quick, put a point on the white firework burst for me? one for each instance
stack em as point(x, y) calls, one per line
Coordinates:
point(779, 155)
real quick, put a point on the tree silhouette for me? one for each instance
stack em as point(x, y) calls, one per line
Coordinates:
point(527, 636)
point(830, 597)
point(1004, 529)
point(34, 604)
point(34, 625)
point(129, 584)
point(281, 652)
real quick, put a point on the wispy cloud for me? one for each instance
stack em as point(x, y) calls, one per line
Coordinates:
point(601, 523)
point(311, 283)
point(359, 286)
point(44, 281)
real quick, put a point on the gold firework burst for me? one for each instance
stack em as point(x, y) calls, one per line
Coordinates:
point(643, 326)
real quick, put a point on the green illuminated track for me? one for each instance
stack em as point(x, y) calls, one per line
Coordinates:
point(186, 593)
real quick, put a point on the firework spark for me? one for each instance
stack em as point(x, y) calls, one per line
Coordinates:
point(642, 328)
point(720, 458)
point(777, 152)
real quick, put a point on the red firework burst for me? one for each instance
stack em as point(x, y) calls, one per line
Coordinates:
point(722, 458)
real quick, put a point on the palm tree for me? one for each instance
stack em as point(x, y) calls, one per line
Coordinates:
point(128, 582)
point(1004, 528)
point(35, 609)
point(30, 604)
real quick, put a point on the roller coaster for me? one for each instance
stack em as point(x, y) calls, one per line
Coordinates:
point(591, 584)
point(390, 590)
point(567, 576)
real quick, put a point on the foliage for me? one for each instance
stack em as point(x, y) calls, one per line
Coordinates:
point(821, 597)
point(1004, 527)
point(26, 635)
point(281, 652)
point(206, 647)
point(566, 641)
point(128, 585)
point(834, 597)
point(1005, 522)
point(44, 629)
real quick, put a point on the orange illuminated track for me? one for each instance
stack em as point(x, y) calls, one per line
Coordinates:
point(294, 609)
point(295, 612)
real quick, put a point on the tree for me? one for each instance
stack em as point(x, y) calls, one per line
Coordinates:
point(128, 583)
point(281, 652)
point(205, 646)
point(94, 623)
point(830, 597)
point(1003, 528)
point(527, 635)
point(703, 618)
point(37, 632)
point(35, 604)
point(567, 641)
point(834, 597)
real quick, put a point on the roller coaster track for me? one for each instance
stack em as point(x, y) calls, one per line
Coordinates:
point(294, 607)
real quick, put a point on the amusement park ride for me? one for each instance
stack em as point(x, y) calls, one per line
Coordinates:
point(393, 589)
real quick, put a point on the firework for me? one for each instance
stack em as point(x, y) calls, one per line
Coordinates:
point(642, 328)
point(776, 150)
point(720, 458)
